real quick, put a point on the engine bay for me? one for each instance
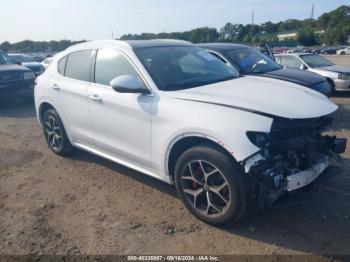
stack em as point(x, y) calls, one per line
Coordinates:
point(291, 156)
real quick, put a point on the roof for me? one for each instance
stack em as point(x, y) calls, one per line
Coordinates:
point(222, 46)
point(132, 44)
point(294, 54)
point(156, 42)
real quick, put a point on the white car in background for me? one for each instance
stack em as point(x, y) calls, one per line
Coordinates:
point(175, 112)
point(345, 51)
point(337, 76)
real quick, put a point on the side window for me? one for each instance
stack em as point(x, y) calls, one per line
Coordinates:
point(78, 65)
point(110, 64)
point(291, 62)
point(61, 66)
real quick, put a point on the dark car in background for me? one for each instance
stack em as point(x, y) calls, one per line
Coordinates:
point(250, 61)
point(28, 61)
point(15, 80)
point(328, 51)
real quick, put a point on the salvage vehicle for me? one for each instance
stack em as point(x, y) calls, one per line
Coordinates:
point(15, 80)
point(173, 111)
point(249, 61)
point(337, 76)
point(28, 62)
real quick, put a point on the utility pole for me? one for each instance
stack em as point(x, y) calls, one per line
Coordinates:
point(251, 30)
point(112, 35)
point(312, 12)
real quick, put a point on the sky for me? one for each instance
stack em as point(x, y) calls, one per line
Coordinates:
point(43, 20)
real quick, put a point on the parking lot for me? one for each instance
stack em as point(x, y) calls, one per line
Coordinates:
point(87, 205)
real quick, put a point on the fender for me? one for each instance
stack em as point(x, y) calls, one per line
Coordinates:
point(177, 138)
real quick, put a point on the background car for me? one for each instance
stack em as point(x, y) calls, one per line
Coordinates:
point(29, 62)
point(249, 61)
point(15, 80)
point(327, 51)
point(344, 51)
point(337, 76)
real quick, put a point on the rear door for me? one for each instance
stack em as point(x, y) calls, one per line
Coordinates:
point(69, 89)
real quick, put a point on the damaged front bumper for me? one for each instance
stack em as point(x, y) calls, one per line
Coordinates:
point(306, 177)
point(290, 160)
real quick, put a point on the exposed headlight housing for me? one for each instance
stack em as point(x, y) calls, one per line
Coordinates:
point(259, 139)
point(28, 75)
point(344, 76)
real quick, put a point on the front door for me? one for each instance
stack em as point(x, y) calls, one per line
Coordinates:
point(121, 122)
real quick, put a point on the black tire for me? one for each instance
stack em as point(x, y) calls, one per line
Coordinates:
point(331, 83)
point(235, 190)
point(62, 146)
point(342, 53)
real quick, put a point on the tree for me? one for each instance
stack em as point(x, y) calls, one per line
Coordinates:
point(306, 37)
point(6, 46)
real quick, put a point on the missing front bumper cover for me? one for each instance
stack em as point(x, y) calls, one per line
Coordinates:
point(291, 169)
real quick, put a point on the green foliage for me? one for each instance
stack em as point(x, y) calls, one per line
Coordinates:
point(199, 35)
point(37, 46)
point(306, 37)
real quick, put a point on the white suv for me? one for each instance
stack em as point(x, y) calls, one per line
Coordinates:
point(177, 113)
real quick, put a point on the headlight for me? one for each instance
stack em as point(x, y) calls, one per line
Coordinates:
point(345, 76)
point(28, 75)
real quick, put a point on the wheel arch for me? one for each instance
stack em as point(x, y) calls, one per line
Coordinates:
point(185, 141)
point(44, 106)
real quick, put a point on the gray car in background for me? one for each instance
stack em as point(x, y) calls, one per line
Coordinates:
point(337, 76)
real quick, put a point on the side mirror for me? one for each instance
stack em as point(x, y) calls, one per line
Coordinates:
point(303, 67)
point(128, 84)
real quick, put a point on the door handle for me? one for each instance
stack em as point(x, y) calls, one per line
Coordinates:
point(55, 87)
point(95, 98)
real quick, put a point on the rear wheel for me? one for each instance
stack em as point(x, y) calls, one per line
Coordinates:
point(211, 185)
point(55, 134)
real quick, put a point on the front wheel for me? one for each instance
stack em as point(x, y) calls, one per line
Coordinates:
point(211, 185)
point(331, 83)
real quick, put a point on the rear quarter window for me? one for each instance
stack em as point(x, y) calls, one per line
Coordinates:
point(61, 65)
point(78, 65)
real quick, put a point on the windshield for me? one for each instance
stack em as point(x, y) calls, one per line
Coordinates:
point(316, 61)
point(3, 61)
point(21, 58)
point(182, 67)
point(251, 61)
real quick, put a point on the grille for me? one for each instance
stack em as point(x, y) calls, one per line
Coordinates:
point(8, 76)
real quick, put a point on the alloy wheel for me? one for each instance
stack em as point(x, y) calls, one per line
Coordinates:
point(206, 188)
point(53, 133)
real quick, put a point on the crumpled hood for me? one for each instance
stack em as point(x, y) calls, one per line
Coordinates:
point(335, 68)
point(261, 95)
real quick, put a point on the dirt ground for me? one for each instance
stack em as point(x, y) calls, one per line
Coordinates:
point(87, 205)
